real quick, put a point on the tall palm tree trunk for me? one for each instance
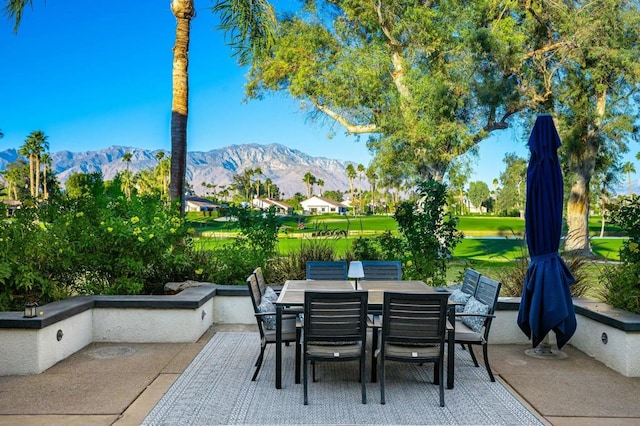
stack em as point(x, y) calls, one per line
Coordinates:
point(184, 11)
point(32, 174)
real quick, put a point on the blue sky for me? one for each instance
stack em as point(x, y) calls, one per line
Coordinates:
point(97, 73)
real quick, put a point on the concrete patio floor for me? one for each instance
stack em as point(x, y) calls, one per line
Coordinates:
point(118, 384)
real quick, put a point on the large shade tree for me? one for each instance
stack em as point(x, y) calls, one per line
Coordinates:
point(427, 81)
point(596, 98)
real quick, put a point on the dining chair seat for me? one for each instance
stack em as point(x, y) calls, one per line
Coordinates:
point(288, 331)
point(466, 335)
point(411, 351)
point(334, 350)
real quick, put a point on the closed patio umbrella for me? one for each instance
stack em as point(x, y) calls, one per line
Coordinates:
point(546, 298)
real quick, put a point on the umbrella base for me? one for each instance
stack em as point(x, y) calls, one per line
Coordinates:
point(544, 351)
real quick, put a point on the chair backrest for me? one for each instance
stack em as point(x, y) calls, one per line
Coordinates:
point(262, 283)
point(414, 318)
point(470, 281)
point(254, 292)
point(335, 316)
point(326, 270)
point(487, 292)
point(382, 270)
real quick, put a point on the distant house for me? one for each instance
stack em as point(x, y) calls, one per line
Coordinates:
point(12, 206)
point(196, 204)
point(321, 205)
point(266, 203)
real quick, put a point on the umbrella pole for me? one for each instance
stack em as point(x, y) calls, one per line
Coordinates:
point(544, 351)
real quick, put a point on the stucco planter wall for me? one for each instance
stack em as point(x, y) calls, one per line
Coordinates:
point(30, 346)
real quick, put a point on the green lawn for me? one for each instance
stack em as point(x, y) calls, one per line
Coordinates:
point(489, 239)
point(479, 226)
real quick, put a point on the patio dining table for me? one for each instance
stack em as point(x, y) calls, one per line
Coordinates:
point(292, 299)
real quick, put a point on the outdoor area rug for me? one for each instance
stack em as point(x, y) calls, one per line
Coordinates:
point(216, 388)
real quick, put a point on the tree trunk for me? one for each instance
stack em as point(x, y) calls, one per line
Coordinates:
point(37, 172)
point(32, 174)
point(183, 11)
point(45, 192)
point(577, 240)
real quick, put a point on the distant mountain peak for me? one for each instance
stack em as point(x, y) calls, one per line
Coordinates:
point(285, 166)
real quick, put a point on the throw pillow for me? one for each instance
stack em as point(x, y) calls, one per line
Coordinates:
point(270, 295)
point(269, 320)
point(459, 296)
point(473, 306)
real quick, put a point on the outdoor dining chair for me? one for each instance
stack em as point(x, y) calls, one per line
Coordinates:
point(265, 314)
point(262, 282)
point(335, 329)
point(476, 318)
point(470, 281)
point(382, 270)
point(326, 270)
point(413, 330)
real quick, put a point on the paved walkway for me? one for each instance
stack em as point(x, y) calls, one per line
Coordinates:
point(118, 384)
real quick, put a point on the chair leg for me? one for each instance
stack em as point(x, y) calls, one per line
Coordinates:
point(305, 379)
point(382, 401)
point(258, 363)
point(313, 371)
point(486, 362)
point(362, 381)
point(298, 353)
point(374, 367)
point(436, 372)
point(473, 356)
point(374, 346)
point(441, 382)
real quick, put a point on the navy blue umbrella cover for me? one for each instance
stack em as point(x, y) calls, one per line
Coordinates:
point(546, 302)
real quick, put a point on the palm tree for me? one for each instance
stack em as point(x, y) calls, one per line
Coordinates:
point(629, 168)
point(360, 175)
point(127, 178)
point(268, 186)
point(45, 160)
point(258, 172)
point(35, 144)
point(372, 177)
point(320, 183)
point(251, 24)
point(351, 175)
point(309, 180)
point(161, 171)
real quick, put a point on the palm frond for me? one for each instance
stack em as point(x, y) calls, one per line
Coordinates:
point(13, 10)
point(250, 26)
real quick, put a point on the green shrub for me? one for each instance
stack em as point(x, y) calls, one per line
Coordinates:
point(622, 282)
point(429, 233)
point(92, 243)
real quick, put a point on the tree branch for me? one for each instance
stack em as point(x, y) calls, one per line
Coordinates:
point(549, 48)
point(351, 128)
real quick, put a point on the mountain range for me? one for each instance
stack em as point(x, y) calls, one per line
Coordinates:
point(284, 166)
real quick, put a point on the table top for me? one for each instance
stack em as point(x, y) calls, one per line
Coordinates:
point(292, 293)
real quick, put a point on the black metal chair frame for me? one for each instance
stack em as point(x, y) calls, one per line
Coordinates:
point(269, 336)
point(326, 270)
point(415, 323)
point(487, 292)
point(335, 329)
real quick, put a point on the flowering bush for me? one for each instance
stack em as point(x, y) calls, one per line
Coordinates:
point(97, 244)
